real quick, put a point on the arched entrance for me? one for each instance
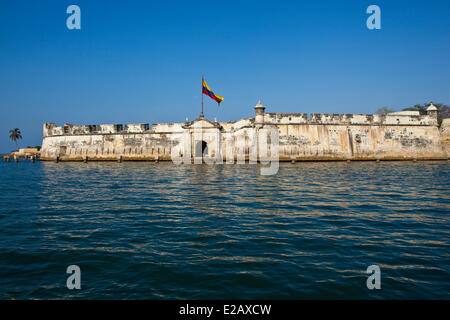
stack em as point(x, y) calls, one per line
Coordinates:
point(201, 148)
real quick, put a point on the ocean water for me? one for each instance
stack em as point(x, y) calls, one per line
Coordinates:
point(161, 231)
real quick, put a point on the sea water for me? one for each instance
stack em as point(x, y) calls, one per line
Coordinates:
point(161, 231)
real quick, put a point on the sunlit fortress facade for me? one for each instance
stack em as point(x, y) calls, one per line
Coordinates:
point(405, 135)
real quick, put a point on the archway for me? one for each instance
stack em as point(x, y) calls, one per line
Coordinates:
point(201, 148)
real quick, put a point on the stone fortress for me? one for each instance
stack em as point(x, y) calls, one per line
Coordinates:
point(405, 135)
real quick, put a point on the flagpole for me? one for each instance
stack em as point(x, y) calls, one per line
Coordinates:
point(201, 114)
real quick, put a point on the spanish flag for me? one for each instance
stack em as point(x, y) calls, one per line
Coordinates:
point(206, 90)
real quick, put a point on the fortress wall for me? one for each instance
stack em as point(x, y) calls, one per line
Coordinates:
point(284, 118)
point(246, 122)
point(412, 118)
point(80, 129)
point(227, 126)
point(168, 127)
point(296, 141)
point(107, 128)
point(445, 135)
point(338, 142)
point(394, 136)
point(138, 146)
point(136, 128)
point(50, 129)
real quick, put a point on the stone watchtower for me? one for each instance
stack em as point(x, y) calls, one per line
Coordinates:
point(259, 114)
point(432, 111)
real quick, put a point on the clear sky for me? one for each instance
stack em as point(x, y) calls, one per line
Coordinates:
point(142, 61)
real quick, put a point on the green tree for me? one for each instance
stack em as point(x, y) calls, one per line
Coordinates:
point(417, 107)
point(14, 135)
point(384, 110)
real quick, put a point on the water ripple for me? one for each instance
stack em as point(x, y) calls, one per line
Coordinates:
point(146, 230)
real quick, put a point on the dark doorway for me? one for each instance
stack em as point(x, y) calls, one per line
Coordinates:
point(201, 148)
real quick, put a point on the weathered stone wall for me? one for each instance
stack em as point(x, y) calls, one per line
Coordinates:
point(445, 135)
point(359, 142)
point(395, 136)
point(137, 146)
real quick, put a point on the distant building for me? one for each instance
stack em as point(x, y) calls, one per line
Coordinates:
point(26, 152)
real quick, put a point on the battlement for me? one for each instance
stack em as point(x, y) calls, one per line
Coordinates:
point(403, 118)
point(261, 118)
point(51, 129)
point(396, 118)
point(286, 118)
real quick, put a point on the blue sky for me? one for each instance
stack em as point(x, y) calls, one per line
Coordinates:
point(142, 61)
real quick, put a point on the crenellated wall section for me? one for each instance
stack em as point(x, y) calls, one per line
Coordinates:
point(396, 136)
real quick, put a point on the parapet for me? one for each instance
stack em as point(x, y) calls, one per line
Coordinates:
point(403, 118)
point(109, 128)
point(50, 129)
point(167, 127)
point(286, 118)
point(136, 128)
point(396, 118)
point(242, 123)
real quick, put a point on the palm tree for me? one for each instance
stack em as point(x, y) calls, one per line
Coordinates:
point(15, 134)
